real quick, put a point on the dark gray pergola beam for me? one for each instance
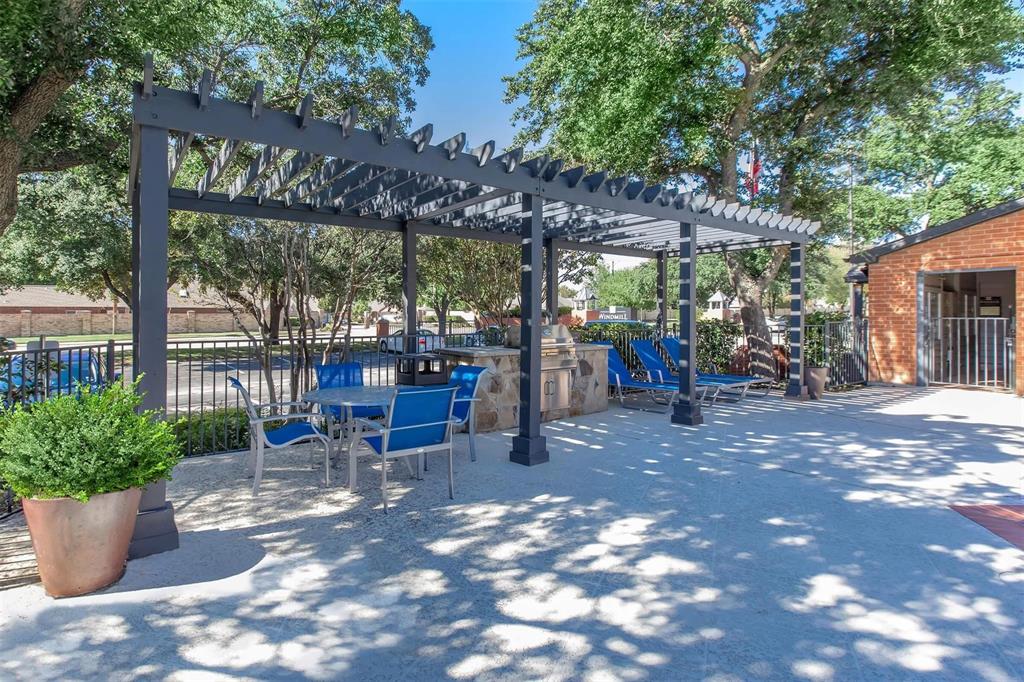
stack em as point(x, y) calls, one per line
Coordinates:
point(796, 389)
point(686, 411)
point(466, 233)
point(472, 197)
point(218, 166)
point(662, 292)
point(272, 209)
point(326, 174)
point(221, 118)
point(565, 245)
point(180, 146)
point(529, 447)
point(374, 186)
point(551, 279)
point(268, 156)
point(333, 193)
point(285, 174)
point(409, 281)
point(411, 207)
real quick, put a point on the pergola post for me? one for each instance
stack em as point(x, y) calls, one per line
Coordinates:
point(551, 273)
point(409, 276)
point(663, 293)
point(687, 410)
point(529, 447)
point(796, 389)
point(155, 530)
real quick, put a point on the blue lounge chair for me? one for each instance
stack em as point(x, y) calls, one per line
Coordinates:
point(281, 437)
point(733, 386)
point(418, 422)
point(342, 374)
point(621, 381)
point(657, 370)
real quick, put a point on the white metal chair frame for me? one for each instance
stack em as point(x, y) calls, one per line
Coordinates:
point(384, 431)
point(258, 440)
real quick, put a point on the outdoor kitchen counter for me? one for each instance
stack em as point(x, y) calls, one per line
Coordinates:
point(499, 394)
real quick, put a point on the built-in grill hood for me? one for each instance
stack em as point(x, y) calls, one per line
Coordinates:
point(551, 336)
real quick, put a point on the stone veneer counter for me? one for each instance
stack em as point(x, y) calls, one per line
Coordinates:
point(499, 394)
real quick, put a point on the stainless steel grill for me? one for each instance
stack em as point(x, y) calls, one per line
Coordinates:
point(558, 364)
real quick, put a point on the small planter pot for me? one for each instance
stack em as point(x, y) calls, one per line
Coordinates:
point(81, 548)
point(816, 379)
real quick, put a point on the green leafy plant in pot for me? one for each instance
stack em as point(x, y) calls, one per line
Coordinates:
point(79, 463)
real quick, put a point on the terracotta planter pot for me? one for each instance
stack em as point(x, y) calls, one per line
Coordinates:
point(816, 379)
point(80, 547)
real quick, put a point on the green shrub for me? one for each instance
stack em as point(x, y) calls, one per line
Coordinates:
point(217, 430)
point(85, 444)
point(716, 344)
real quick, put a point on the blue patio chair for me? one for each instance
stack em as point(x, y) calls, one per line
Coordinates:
point(734, 387)
point(417, 422)
point(621, 380)
point(658, 371)
point(341, 374)
point(280, 437)
point(467, 380)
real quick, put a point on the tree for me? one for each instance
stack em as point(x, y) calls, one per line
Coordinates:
point(675, 91)
point(365, 53)
point(439, 264)
point(636, 287)
point(62, 63)
point(938, 158)
point(73, 230)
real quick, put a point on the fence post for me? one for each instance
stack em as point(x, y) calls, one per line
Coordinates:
point(110, 362)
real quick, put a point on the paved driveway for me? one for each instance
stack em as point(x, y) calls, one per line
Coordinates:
point(779, 541)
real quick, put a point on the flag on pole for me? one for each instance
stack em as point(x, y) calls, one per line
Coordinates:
point(755, 172)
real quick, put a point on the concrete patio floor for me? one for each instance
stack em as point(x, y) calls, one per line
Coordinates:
point(779, 541)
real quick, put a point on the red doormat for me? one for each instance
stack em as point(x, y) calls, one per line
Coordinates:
point(1005, 520)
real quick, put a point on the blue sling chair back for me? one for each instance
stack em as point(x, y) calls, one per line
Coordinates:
point(338, 375)
point(621, 381)
point(732, 386)
point(418, 422)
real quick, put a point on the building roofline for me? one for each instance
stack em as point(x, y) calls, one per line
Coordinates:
point(969, 220)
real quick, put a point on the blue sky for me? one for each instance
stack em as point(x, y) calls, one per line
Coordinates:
point(475, 47)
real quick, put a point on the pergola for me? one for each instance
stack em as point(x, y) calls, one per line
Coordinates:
point(311, 170)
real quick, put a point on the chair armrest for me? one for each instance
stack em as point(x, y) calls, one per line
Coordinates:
point(290, 403)
point(376, 426)
point(285, 417)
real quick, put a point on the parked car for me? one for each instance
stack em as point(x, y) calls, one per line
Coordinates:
point(60, 372)
point(426, 341)
point(7, 344)
point(488, 336)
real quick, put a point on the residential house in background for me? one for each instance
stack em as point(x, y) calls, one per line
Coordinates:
point(42, 310)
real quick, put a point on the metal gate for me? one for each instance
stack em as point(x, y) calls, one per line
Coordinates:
point(842, 346)
point(970, 351)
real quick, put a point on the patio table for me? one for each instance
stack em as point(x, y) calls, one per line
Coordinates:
point(347, 397)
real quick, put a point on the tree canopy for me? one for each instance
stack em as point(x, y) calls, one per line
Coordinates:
point(938, 158)
point(677, 91)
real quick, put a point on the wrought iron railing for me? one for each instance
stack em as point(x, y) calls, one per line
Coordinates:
point(206, 413)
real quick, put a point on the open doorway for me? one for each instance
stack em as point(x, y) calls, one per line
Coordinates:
point(967, 320)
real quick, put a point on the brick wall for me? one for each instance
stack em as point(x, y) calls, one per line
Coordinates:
point(73, 322)
point(996, 243)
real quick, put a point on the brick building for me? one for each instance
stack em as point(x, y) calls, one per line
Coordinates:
point(943, 304)
point(42, 310)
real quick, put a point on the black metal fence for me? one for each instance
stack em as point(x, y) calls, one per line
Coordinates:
point(207, 414)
